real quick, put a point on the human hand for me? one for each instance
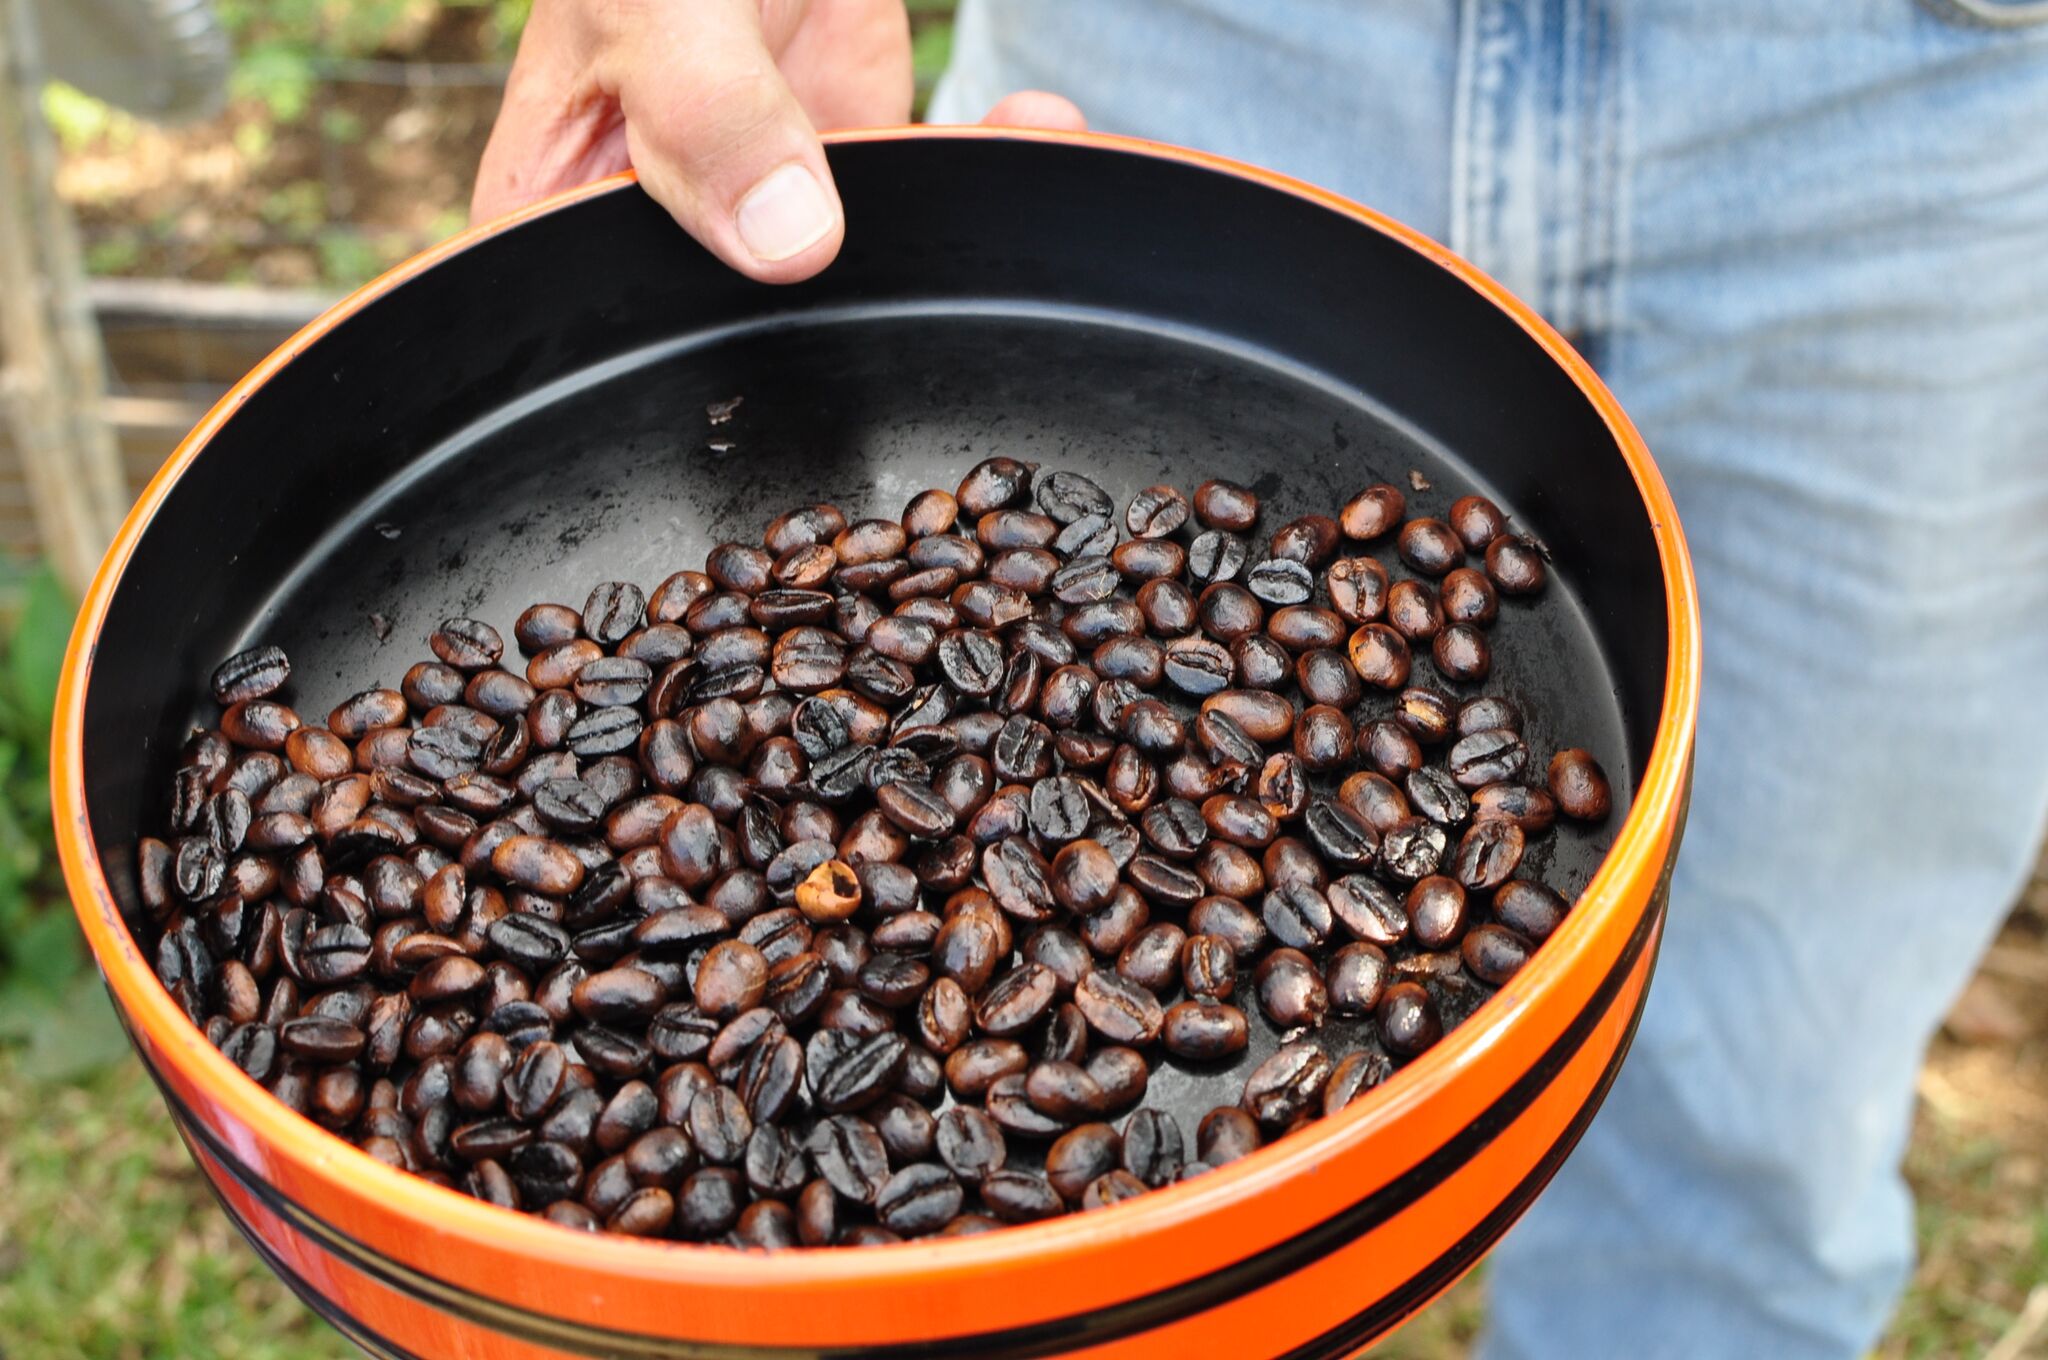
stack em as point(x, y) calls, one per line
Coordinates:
point(717, 104)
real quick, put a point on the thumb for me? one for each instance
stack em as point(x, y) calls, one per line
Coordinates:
point(720, 140)
point(1036, 109)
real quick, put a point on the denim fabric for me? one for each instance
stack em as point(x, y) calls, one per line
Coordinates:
point(1806, 242)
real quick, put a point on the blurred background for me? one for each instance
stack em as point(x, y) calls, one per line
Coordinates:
point(259, 158)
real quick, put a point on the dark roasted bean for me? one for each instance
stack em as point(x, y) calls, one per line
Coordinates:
point(1354, 1075)
point(1413, 611)
point(993, 484)
point(1515, 565)
point(1290, 990)
point(1287, 1084)
point(1381, 656)
point(1120, 1010)
point(1281, 581)
point(1203, 1030)
point(1579, 785)
point(1408, 1019)
point(1487, 757)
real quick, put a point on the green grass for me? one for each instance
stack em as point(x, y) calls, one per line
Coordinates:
point(111, 1247)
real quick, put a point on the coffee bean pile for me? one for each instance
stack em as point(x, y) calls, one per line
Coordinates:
point(854, 887)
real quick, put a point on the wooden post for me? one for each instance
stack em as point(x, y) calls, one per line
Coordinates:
point(52, 369)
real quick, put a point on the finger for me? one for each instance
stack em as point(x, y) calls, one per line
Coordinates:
point(849, 63)
point(721, 142)
point(1037, 109)
point(555, 129)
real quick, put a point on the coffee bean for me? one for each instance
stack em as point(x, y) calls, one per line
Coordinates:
point(1020, 1196)
point(1280, 581)
point(1488, 756)
point(1528, 908)
point(1579, 785)
point(1373, 512)
point(1488, 853)
point(1287, 1084)
point(1290, 990)
point(1118, 1009)
point(1515, 565)
point(993, 484)
point(1408, 1019)
point(1380, 655)
point(1156, 512)
point(252, 674)
point(467, 644)
point(1354, 1075)
point(1203, 1030)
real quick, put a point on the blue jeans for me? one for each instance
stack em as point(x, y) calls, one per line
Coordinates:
point(1806, 241)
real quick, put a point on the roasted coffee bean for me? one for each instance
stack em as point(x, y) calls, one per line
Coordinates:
point(1088, 536)
point(1152, 1148)
point(1528, 908)
point(1408, 1019)
point(1436, 911)
point(1290, 990)
point(1120, 1010)
point(1298, 915)
point(1515, 565)
point(970, 1144)
point(1175, 828)
point(1156, 512)
point(1018, 1000)
point(1494, 953)
point(1373, 512)
point(1579, 785)
point(1488, 853)
point(1009, 1103)
point(993, 484)
point(1437, 796)
point(1468, 597)
point(1477, 521)
point(1487, 757)
point(1340, 836)
point(1413, 611)
point(1429, 546)
point(1280, 581)
point(1203, 1030)
point(1287, 1084)
point(1069, 496)
point(1152, 958)
point(1531, 809)
point(1112, 1188)
point(252, 674)
point(1413, 849)
point(1208, 967)
point(467, 644)
point(1020, 1196)
point(1354, 1075)
point(1380, 656)
point(1357, 975)
point(1461, 652)
point(1083, 877)
point(1323, 738)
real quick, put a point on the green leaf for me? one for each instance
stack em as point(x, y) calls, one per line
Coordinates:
point(35, 654)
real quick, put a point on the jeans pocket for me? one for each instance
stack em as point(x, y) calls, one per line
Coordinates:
point(1990, 13)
